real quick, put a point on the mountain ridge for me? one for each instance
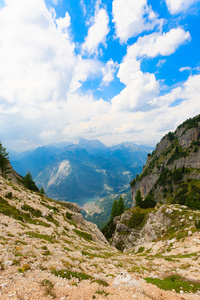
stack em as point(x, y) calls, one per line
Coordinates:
point(96, 170)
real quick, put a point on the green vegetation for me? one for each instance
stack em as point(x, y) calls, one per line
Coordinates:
point(101, 292)
point(42, 191)
point(148, 202)
point(69, 274)
point(45, 237)
point(12, 211)
point(101, 282)
point(83, 234)
point(68, 215)
point(177, 283)
point(9, 195)
point(118, 208)
point(170, 136)
point(4, 161)
point(48, 285)
point(108, 230)
point(29, 183)
point(102, 217)
point(24, 268)
point(137, 218)
point(35, 212)
point(190, 123)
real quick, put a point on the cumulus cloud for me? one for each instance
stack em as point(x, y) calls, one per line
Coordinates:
point(141, 87)
point(178, 6)
point(133, 17)
point(40, 79)
point(97, 32)
point(36, 54)
point(108, 72)
point(83, 70)
point(159, 44)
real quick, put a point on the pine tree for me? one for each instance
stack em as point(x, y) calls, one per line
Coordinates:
point(120, 206)
point(42, 191)
point(29, 183)
point(138, 198)
point(4, 161)
point(114, 212)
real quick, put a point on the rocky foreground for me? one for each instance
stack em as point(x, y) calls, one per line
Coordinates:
point(47, 250)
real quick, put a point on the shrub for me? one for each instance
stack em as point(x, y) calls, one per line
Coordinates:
point(136, 220)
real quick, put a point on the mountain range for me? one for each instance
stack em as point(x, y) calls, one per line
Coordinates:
point(74, 172)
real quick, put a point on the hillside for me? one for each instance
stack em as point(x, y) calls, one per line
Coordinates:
point(47, 250)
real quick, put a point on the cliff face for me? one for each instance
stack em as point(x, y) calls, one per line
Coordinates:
point(177, 150)
point(138, 227)
point(171, 180)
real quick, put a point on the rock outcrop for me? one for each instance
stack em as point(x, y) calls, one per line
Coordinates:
point(177, 150)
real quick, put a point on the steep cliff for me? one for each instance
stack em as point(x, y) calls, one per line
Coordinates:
point(173, 168)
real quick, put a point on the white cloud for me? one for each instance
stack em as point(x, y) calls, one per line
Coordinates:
point(178, 6)
point(84, 69)
point(141, 87)
point(83, 6)
point(40, 75)
point(159, 44)
point(97, 32)
point(133, 17)
point(108, 72)
point(55, 2)
point(185, 69)
point(35, 54)
point(160, 63)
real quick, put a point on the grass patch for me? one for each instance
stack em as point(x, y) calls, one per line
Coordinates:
point(51, 219)
point(12, 211)
point(102, 293)
point(101, 282)
point(36, 235)
point(35, 212)
point(83, 234)
point(68, 274)
point(175, 282)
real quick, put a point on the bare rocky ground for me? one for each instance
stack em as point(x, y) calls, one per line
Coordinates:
point(48, 251)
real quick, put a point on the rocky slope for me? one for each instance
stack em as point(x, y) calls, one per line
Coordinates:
point(47, 250)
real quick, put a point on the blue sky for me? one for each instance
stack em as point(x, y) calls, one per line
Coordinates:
point(120, 70)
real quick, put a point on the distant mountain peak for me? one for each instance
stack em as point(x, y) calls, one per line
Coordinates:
point(91, 144)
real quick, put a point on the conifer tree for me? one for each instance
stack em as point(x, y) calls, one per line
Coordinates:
point(42, 191)
point(29, 183)
point(4, 161)
point(138, 198)
point(114, 212)
point(121, 206)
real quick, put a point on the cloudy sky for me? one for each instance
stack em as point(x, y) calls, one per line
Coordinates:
point(120, 70)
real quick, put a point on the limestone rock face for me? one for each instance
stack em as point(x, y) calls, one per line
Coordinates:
point(156, 222)
point(165, 222)
point(175, 151)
